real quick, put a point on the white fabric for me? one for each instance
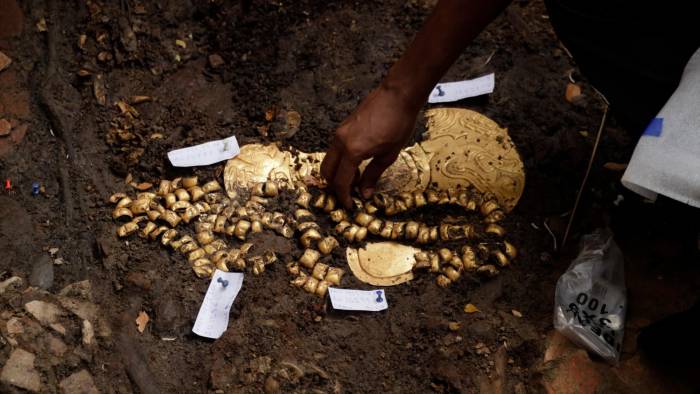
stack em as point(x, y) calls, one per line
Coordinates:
point(669, 164)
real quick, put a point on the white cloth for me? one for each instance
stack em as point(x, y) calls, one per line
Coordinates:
point(666, 159)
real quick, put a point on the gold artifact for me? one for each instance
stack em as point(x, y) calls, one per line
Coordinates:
point(382, 263)
point(461, 148)
point(467, 162)
point(379, 263)
point(391, 263)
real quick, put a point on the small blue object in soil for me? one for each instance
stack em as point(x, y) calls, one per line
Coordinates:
point(223, 282)
point(654, 128)
point(379, 296)
point(35, 188)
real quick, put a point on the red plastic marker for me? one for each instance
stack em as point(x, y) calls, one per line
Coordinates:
point(8, 185)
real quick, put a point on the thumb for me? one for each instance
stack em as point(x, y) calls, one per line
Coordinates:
point(374, 170)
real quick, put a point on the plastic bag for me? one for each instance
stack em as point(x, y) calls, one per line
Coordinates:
point(591, 299)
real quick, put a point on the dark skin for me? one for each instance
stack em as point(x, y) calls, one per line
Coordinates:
point(383, 122)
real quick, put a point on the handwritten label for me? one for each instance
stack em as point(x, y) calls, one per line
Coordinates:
point(454, 91)
point(212, 319)
point(205, 154)
point(358, 300)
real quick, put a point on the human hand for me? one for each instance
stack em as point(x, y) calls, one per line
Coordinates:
point(378, 128)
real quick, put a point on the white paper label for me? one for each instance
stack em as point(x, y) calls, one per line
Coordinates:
point(212, 319)
point(358, 300)
point(206, 153)
point(453, 91)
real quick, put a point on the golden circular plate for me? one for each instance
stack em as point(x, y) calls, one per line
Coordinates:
point(382, 263)
point(466, 147)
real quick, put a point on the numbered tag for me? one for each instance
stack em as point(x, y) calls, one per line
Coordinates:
point(205, 154)
point(358, 300)
point(454, 91)
point(212, 319)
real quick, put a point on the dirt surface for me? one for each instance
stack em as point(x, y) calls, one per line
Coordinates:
point(213, 70)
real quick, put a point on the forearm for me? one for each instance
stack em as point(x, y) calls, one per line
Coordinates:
point(449, 29)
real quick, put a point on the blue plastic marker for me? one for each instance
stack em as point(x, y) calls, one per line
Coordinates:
point(35, 188)
point(654, 128)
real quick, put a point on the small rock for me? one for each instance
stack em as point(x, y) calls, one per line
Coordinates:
point(59, 328)
point(56, 346)
point(482, 349)
point(82, 289)
point(79, 383)
point(516, 313)
point(272, 386)
point(19, 371)
point(5, 126)
point(215, 61)
point(13, 283)
point(261, 365)
point(42, 273)
point(139, 279)
point(14, 326)
point(451, 339)
point(88, 333)
point(83, 309)
point(313, 368)
point(83, 353)
point(290, 371)
point(4, 61)
point(270, 323)
point(44, 312)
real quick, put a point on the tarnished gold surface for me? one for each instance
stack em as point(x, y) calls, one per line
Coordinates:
point(258, 163)
point(462, 147)
point(382, 263)
point(465, 146)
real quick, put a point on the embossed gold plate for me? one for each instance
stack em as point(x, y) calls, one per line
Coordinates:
point(382, 263)
point(462, 147)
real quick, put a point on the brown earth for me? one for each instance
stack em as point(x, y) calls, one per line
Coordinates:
point(317, 58)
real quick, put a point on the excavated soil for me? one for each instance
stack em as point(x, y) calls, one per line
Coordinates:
point(318, 58)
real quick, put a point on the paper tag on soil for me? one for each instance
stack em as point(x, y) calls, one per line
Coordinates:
point(358, 300)
point(205, 154)
point(212, 319)
point(454, 91)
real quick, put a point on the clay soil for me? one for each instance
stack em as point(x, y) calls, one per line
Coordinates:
point(318, 58)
